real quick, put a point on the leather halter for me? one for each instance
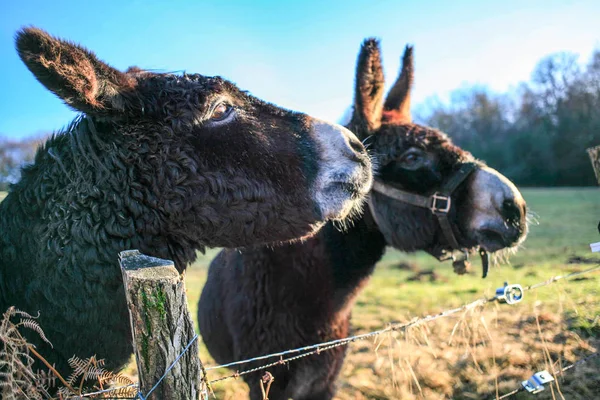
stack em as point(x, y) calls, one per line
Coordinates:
point(440, 204)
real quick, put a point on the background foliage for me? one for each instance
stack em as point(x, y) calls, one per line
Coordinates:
point(537, 134)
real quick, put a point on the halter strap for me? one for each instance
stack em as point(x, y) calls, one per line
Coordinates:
point(439, 202)
point(447, 189)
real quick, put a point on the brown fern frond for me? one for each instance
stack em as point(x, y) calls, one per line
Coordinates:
point(17, 379)
point(46, 378)
point(121, 380)
point(34, 326)
point(16, 312)
point(129, 392)
point(99, 374)
point(111, 378)
point(80, 368)
point(64, 392)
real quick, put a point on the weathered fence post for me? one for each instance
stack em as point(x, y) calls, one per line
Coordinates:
point(594, 153)
point(161, 327)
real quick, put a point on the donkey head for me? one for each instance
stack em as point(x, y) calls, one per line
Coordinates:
point(217, 166)
point(428, 193)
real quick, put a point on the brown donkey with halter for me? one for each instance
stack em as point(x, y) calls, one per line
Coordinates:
point(428, 195)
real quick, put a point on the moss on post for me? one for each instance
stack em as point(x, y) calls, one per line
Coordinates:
point(161, 327)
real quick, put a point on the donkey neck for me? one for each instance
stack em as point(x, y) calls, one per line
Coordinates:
point(354, 251)
point(100, 188)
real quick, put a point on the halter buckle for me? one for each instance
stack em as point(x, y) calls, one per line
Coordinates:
point(444, 208)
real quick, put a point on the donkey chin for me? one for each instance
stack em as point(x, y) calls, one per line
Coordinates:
point(345, 175)
point(498, 217)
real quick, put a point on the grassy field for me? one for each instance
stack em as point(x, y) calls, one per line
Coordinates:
point(489, 350)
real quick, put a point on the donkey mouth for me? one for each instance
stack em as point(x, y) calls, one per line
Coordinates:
point(341, 193)
point(492, 239)
point(355, 190)
point(338, 199)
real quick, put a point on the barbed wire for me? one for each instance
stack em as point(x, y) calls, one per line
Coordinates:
point(556, 372)
point(325, 346)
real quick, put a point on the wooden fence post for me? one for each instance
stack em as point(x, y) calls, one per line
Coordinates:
point(162, 328)
point(594, 153)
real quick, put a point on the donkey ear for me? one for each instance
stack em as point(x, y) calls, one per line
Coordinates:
point(368, 90)
point(73, 73)
point(397, 104)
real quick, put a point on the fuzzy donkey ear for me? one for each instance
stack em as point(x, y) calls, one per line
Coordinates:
point(397, 104)
point(73, 73)
point(368, 90)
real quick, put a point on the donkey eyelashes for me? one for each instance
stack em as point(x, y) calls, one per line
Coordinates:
point(220, 114)
point(413, 159)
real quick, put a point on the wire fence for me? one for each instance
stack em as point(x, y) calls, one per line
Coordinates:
point(317, 348)
point(556, 372)
point(320, 347)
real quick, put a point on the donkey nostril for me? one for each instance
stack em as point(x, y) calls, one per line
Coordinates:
point(356, 145)
point(510, 210)
point(355, 150)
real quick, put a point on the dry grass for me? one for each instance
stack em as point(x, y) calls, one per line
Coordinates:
point(472, 356)
point(492, 351)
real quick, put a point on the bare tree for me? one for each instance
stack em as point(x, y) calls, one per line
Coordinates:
point(13, 155)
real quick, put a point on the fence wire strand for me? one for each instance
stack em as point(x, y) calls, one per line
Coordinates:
point(306, 351)
point(556, 372)
point(320, 347)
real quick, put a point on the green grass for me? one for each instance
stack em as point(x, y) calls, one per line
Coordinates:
point(568, 220)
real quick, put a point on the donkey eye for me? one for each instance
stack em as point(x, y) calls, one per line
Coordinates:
point(221, 112)
point(412, 160)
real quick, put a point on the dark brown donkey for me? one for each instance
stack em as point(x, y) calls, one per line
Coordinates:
point(264, 299)
point(166, 164)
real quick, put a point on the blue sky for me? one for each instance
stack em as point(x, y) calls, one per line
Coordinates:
point(299, 55)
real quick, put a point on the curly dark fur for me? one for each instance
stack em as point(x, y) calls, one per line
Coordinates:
point(144, 168)
point(264, 299)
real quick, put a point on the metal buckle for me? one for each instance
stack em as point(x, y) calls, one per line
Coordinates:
point(434, 203)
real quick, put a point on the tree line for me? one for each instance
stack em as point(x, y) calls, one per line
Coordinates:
point(536, 134)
